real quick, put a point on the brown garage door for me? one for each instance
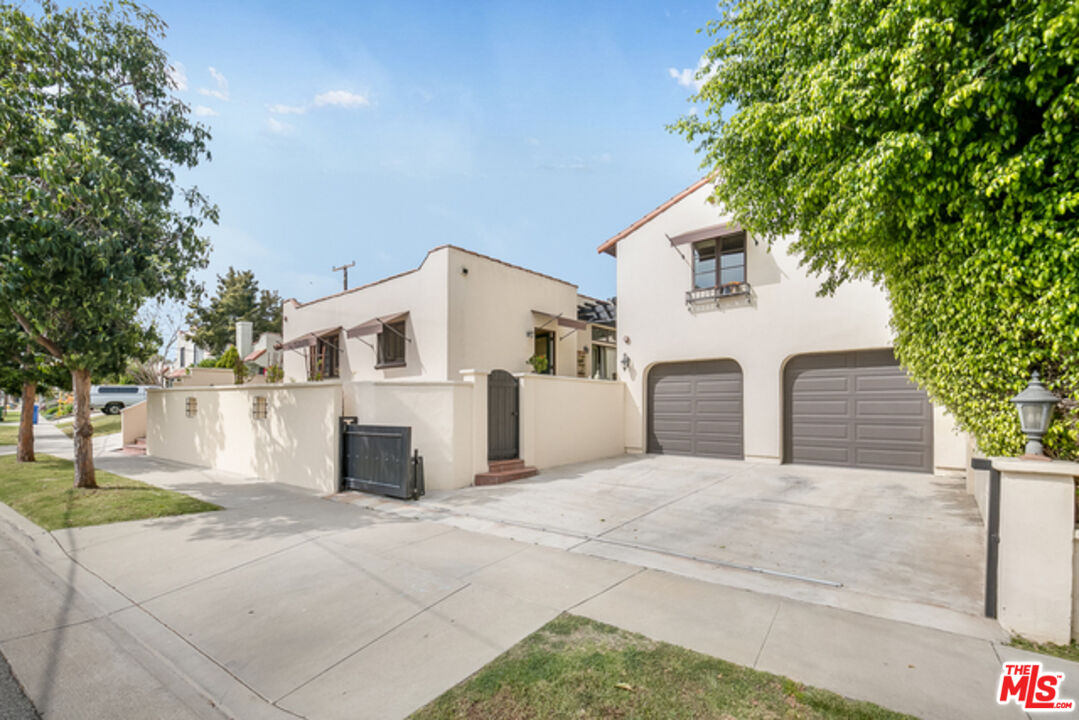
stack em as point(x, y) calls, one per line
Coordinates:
point(696, 409)
point(857, 409)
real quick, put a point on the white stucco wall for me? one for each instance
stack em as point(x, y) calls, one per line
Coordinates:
point(784, 318)
point(491, 315)
point(569, 420)
point(296, 444)
point(421, 292)
point(440, 415)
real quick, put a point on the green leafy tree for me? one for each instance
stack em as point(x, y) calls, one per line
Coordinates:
point(237, 297)
point(231, 360)
point(24, 367)
point(932, 147)
point(92, 223)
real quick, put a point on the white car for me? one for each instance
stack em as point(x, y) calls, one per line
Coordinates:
point(111, 399)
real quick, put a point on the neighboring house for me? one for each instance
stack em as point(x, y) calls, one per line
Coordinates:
point(730, 353)
point(261, 353)
point(187, 352)
point(458, 310)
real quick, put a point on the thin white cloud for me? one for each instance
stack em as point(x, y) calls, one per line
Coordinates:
point(534, 142)
point(287, 109)
point(341, 98)
point(222, 90)
point(277, 126)
point(178, 76)
point(203, 111)
point(687, 77)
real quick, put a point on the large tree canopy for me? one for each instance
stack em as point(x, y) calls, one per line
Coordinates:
point(91, 221)
point(931, 146)
point(213, 324)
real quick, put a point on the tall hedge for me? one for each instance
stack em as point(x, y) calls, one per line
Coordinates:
point(929, 146)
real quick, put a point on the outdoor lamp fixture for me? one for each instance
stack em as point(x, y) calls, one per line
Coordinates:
point(625, 361)
point(1035, 405)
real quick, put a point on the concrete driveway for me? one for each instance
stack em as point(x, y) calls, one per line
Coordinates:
point(288, 605)
point(899, 545)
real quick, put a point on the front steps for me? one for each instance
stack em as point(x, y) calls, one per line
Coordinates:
point(136, 448)
point(500, 471)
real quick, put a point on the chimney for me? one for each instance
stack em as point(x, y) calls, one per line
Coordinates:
point(243, 338)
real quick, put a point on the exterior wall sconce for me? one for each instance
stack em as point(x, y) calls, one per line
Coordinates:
point(530, 333)
point(625, 361)
point(1035, 405)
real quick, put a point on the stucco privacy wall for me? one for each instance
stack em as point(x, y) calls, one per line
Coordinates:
point(440, 415)
point(421, 292)
point(491, 318)
point(296, 443)
point(784, 318)
point(569, 420)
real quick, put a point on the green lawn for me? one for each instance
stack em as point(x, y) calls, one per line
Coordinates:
point(577, 668)
point(9, 434)
point(42, 491)
point(103, 425)
point(1067, 652)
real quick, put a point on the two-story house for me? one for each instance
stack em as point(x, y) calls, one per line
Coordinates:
point(728, 351)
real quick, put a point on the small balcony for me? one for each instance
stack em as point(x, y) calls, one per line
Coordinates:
point(713, 295)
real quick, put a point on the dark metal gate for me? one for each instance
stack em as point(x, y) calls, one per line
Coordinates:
point(379, 459)
point(503, 409)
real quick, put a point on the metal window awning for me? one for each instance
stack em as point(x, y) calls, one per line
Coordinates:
point(309, 339)
point(562, 321)
point(707, 233)
point(375, 325)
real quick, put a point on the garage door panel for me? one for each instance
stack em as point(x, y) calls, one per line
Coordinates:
point(823, 384)
point(834, 431)
point(889, 459)
point(897, 433)
point(806, 408)
point(727, 386)
point(875, 418)
point(824, 455)
point(881, 407)
point(891, 382)
point(696, 409)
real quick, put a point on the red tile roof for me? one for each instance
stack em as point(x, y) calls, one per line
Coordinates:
point(609, 245)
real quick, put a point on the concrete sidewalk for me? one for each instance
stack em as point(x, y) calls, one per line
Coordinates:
point(286, 604)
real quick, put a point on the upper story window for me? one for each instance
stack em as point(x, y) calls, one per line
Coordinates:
point(324, 357)
point(391, 345)
point(719, 262)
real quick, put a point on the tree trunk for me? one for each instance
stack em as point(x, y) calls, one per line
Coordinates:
point(24, 452)
point(84, 431)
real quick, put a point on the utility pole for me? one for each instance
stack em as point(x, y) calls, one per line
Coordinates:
point(344, 269)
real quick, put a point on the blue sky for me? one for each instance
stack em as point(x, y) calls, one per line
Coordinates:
point(375, 131)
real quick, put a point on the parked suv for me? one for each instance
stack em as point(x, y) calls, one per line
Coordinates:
point(111, 399)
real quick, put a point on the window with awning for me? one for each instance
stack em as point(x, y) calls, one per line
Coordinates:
point(391, 338)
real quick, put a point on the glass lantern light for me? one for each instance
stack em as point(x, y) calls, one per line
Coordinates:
point(1035, 405)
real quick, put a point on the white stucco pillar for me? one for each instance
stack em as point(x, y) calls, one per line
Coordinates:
point(478, 380)
point(1037, 539)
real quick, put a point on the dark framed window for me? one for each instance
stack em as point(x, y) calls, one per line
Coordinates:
point(191, 406)
point(719, 261)
point(324, 358)
point(260, 407)
point(391, 345)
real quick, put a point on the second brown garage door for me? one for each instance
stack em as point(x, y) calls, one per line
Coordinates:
point(695, 408)
point(856, 409)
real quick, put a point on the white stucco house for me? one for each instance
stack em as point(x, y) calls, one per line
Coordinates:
point(187, 352)
point(729, 352)
point(458, 310)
